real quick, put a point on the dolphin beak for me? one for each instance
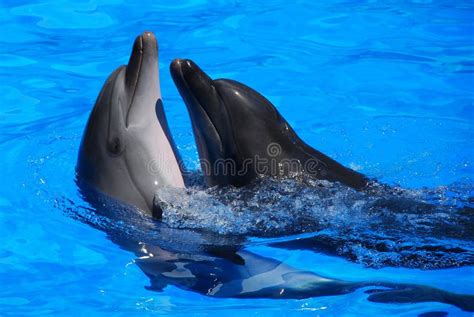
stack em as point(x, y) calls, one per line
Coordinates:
point(202, 100)
point(141, 78)
point(144, 51)
point(192, 81)
point(197, 90)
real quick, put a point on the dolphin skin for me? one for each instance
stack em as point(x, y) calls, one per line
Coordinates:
point(241, 135)
point(127, 151)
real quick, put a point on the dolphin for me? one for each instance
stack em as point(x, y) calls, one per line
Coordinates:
point(241, 135)
point(127, 151)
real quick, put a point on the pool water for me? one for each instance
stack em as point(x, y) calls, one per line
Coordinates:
point(383, 87)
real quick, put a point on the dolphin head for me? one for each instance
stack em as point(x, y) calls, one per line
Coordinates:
point(240, 134)
point(127, 151)
point(230, 121)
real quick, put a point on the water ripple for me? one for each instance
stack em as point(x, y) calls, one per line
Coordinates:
point(384, 87)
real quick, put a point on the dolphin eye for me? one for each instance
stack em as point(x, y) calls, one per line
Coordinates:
point(115, 146)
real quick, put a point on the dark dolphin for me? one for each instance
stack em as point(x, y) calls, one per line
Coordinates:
point(126, 150)
point(241, 135)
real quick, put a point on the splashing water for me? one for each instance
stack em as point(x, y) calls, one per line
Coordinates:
point(427, 228)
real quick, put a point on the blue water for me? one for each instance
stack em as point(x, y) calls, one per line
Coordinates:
point(383, 87)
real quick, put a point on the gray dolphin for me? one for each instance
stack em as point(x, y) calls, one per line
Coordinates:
point(126, 150)
point(241, 135)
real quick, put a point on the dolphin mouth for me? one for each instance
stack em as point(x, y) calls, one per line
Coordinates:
point(193, 81)
point(140, 72)
point(201, 98)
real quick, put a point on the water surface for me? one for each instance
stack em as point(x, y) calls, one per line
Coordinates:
point(383, 87)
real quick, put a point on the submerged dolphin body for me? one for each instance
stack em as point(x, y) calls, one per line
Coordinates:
point(241, 135)
point(219, 266)
point(255, 276)
point(126, 150)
